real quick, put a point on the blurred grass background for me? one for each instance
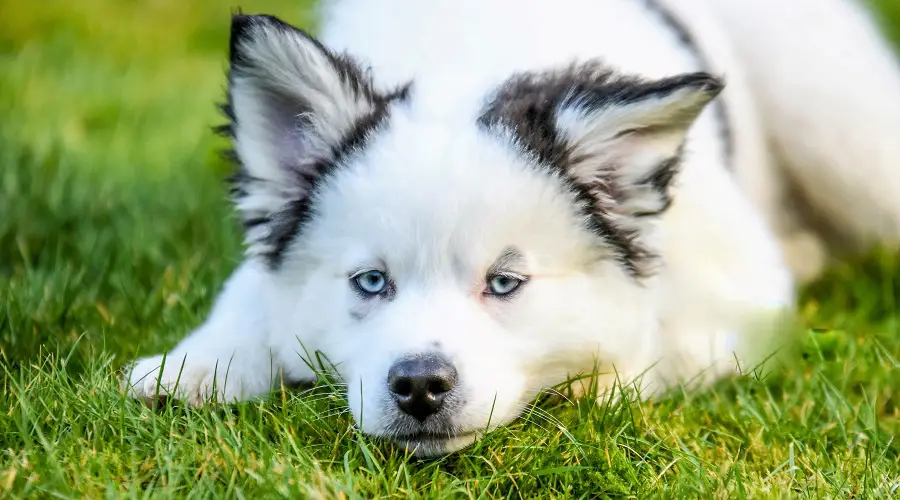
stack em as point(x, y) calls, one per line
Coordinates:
point(115, 236)
point(111, 185)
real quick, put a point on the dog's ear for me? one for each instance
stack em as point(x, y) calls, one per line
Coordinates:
point(295, 109)
point(625, 139)
point(615, 140)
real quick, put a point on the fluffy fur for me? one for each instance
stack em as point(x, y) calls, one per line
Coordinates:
point(492, 197)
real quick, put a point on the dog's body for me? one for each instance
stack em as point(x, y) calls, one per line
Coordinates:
point(526, 192)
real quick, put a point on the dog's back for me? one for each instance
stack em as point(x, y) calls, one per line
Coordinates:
point(491, 39)
point(827, 85)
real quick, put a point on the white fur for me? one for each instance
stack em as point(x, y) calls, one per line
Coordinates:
point(436, 200)
point(830, 108)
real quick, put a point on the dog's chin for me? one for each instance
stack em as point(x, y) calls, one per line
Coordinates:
point(429, 445)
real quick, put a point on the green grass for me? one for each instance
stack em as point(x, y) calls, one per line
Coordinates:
point(115, 237)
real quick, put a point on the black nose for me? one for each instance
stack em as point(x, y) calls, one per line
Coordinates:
point(420, 383)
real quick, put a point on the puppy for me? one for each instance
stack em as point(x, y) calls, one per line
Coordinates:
point(460, 204)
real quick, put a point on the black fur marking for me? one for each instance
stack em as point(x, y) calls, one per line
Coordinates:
point(284, 226)
point(684, 36)
point(526, 105)
point(659, 180)
point(242, 27)
point(621, 90)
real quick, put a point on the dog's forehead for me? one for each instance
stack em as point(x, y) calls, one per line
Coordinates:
point(433, 186)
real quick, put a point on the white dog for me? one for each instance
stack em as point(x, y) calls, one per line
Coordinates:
point(492, 196)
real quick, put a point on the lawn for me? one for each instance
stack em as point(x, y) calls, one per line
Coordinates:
point(115, 237)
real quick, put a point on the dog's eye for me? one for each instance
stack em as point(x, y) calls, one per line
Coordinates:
point(503, 284)
point(370, 282)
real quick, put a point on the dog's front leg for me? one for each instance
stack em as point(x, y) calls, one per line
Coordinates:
point(227, 359)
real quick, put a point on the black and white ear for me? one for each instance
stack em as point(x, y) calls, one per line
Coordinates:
point(294, 109)
point(615, 140)
point(626, 144)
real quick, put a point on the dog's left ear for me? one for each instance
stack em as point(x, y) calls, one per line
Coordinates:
point(625, 139)
point(615, 140)
point(296, 110)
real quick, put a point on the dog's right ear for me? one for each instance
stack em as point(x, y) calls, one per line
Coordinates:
point(295, 109)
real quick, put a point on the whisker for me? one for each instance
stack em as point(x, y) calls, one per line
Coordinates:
point(333, 414)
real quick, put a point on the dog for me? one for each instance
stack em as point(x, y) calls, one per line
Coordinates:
point(460, 204)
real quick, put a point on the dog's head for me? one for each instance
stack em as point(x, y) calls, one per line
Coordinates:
point(452, 261)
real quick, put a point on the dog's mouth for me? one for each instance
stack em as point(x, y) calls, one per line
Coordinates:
point(429, 444)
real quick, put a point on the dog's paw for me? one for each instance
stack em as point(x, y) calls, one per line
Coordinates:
point(196, 380)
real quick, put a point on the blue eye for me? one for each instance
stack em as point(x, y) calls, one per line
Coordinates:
point(370, 282)
point(503, 284)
